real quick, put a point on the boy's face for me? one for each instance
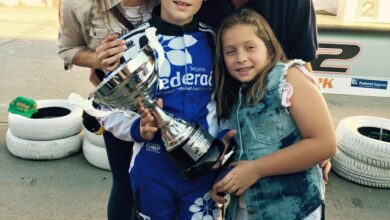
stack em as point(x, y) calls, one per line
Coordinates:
point(179, 12)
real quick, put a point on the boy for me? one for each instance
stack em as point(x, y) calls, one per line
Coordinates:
point(187, 91)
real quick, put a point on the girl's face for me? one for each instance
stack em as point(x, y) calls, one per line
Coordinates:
point(245, 54)
point(179, 12)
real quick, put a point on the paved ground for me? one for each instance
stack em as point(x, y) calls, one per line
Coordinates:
point(71, 188)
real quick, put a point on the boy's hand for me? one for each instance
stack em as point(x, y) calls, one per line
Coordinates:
point(148, 127)
point(148, 124)
point(226, 141)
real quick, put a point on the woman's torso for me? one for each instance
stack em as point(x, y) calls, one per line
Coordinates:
point(84, 24)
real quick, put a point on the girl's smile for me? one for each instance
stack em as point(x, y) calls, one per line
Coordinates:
point(244, 70)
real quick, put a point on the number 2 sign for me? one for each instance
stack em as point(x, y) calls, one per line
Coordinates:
point(367, 9)
point(364, 10)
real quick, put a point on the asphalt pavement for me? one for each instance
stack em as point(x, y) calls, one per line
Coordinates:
point(71, 188)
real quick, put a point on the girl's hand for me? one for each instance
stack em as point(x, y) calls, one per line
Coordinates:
point(237, 181)
point(109, 52)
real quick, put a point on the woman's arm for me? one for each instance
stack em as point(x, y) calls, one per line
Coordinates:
point(70, 38)
point(73, 47)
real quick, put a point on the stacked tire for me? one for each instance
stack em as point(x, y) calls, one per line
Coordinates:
point(363, 151)
point(51, 133)
point(94, 150)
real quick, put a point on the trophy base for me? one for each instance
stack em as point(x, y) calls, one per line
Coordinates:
point(192, 169)
point(181, 157)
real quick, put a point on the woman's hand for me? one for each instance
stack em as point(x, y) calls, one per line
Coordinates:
point(93, 77)
point(237, 181)
point(109, 52)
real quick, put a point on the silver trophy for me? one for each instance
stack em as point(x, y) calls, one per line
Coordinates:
point(192, 148)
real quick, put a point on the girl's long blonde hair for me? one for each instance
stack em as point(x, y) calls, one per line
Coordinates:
point(226, 86)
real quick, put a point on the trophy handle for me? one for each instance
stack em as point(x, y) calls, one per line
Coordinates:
point(155, 45)
point(86, 105)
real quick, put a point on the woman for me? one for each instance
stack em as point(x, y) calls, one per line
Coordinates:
point(88, 38)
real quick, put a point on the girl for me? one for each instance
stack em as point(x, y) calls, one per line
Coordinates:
point(283, 125)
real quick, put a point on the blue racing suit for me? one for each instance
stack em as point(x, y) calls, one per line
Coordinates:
point(187, 92)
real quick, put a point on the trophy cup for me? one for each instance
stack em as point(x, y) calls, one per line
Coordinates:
point(192, 148)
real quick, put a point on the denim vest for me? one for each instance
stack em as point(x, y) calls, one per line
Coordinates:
point(265, 128)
